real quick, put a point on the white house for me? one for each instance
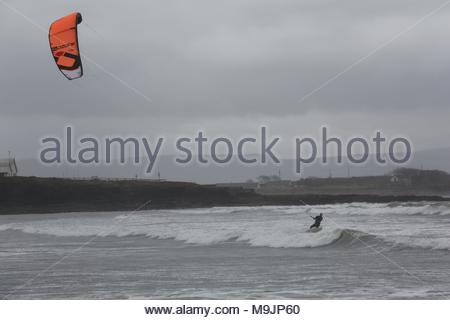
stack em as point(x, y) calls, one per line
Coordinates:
point(8, 167)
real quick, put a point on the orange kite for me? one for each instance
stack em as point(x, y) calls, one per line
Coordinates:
point(63, 37)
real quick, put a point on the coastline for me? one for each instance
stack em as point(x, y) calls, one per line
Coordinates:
point(32, 195)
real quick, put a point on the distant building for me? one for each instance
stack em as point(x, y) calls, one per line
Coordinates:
point(395, 179)
point(403, 177)
point(8, 167)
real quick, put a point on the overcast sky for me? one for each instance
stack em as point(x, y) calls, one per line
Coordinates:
point(228, 67)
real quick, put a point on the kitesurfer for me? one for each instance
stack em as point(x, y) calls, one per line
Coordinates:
point(317, 221)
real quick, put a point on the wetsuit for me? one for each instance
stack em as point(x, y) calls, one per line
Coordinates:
point(317, 221)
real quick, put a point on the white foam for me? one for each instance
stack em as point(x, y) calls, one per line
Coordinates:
point(277, 227)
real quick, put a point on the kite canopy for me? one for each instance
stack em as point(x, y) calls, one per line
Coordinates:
point(63, 37)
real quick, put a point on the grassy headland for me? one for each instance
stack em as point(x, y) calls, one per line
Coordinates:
point(51, 195)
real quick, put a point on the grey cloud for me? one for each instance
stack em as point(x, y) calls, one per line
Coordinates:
point(202, 60)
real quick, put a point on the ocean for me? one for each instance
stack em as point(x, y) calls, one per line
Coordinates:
point(364, 251)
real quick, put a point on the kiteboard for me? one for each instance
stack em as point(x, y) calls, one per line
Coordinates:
point(315, 229)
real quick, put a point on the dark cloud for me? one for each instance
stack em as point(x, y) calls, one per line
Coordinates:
point(248, 59)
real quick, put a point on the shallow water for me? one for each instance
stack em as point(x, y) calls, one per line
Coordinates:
point(382, 251)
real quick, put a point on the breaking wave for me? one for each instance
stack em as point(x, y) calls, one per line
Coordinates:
point(255, 238)
point(393, 225)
